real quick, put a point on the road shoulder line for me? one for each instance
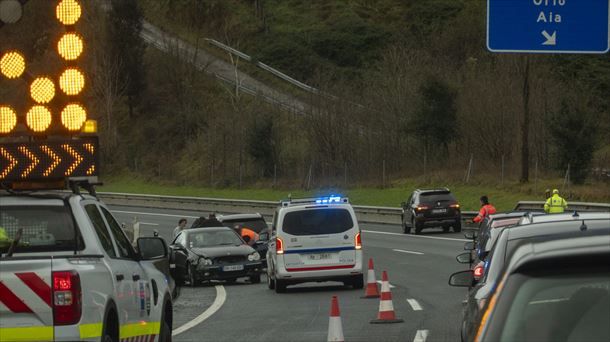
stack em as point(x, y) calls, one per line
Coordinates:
point(221, 296)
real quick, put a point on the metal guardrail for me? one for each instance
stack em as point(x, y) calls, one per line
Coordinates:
point(578, 206)
point(365, 214)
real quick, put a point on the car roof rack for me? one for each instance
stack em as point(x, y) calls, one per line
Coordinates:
point(331, 199)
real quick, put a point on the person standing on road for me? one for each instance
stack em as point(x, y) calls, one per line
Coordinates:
point(555, 204)
point(486, 210)
point(180, 227)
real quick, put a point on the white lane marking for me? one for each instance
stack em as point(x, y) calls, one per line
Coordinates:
point(414, 304)
point(421, 335)
point(221, 296)
point(391, 286)
point(415, 236)
point(410, 252)
point(149, 224)
point(151, 214)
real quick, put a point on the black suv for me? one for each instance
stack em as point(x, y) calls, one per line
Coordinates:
point(431, 208)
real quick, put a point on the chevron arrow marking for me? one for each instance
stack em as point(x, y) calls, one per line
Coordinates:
point(77, 159)
point(32, 157)
point(56, 160)
point(12, 162)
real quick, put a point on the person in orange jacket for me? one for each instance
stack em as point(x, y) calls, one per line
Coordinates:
point(253, 237)
point(486, 210)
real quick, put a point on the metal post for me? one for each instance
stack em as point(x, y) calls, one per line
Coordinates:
point(502, 181)
point(274, 175)
point(383, 176)
point(239, 176)
point(536, 178)
point(345, 175)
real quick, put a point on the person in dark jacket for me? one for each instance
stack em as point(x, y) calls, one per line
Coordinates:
point(211, 221)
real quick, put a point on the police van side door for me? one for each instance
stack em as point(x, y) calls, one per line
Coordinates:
point(138, 308)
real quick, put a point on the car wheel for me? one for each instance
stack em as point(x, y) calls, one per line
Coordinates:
point(445, 229)
point(270, 282)
point(255, 279)
point(280, 286)
point(458, 226)
point(190, 275)
point(418, 228)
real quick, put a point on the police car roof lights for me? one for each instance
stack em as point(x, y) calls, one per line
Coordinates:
point(332, 199)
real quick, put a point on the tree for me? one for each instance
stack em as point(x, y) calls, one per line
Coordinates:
point(125, 44)
point(574, 136)
point(436, 117)
point(261, 144)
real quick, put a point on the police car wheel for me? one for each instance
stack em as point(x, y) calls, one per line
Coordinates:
point(166, 332)
point(270, 282)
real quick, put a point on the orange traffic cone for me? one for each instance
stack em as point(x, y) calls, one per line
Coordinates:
point(386, 308)
point(335, 328)
point(371, 282)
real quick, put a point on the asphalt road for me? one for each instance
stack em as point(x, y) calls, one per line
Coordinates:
point(418, 267)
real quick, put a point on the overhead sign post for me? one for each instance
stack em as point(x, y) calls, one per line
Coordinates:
point(548, 26)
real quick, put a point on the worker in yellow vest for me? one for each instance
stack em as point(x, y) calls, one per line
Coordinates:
point(555, 204)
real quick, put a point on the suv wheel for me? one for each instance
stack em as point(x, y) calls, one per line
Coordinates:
point(418, 227)
point(270, 282)
point(446, 229)
point(458, 226)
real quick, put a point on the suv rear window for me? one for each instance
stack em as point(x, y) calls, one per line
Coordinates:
point(433, 197)
point(45, 229)
point(255, 224)
point(317, 222)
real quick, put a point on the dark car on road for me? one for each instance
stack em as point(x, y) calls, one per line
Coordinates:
point(431, 208)
point(510, 237)
point(255, 222)
point(203, 254)
point(554, 289)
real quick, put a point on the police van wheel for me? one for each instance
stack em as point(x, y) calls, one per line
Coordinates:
point(357, 282)
point(270, 282)
point(280, 286)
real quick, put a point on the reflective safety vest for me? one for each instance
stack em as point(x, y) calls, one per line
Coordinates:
point(486, 210)
point(252, 234)
point(555, 204)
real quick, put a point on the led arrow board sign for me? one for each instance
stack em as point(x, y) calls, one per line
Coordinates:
point(548, 26)
point(50, 160)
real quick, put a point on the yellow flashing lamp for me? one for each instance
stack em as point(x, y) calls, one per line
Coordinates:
point(12, 64)
point(68, 12)
point(42, 90)
point(70, 46)
point(90, 127)
point(73, 117)
point(72, 81)
point(8, 119)
point(38, 118)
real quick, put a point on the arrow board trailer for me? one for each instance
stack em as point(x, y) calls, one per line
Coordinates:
point(548, 26)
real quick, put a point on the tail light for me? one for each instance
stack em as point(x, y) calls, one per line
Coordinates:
point(455, 206)
point(67, 298)
point(478, 272)
point(358, 241)
point(422, 207)
point(279, 246)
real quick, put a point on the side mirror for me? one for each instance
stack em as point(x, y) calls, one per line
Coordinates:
point(152, 248)
point(263, 237)
point(464, 258)
point(471, 235)
point(461, 279)
point(469, 246)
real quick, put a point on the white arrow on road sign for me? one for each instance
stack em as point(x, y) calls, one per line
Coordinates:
point(551, 39)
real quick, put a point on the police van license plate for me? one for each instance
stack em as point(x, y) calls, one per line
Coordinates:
point(233, 268)
point(319, 256)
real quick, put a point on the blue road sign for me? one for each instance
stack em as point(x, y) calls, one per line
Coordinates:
point(548, 26)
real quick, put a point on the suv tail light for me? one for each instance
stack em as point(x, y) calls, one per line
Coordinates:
point(478, 272)
point(358, 241)
point(422, 207)
point(455, 205)
point(279, 246)
point(67, 298)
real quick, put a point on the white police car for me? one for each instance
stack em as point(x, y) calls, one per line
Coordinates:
point(314, 240)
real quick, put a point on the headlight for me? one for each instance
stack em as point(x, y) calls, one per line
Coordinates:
point(254, 257)
point(206, 262)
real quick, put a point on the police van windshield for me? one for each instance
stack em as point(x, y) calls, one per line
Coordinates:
point(317, 222)
point(44, 229)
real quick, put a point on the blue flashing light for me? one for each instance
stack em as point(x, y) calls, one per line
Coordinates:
point(328, 200)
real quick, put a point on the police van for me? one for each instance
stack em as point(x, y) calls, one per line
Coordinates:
point(314, 240)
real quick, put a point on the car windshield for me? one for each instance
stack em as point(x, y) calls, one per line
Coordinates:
point(317, 222)
point(44, 228)
point(213, 238)
point(434, 197)
point(255, 224)
point(572, 306)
